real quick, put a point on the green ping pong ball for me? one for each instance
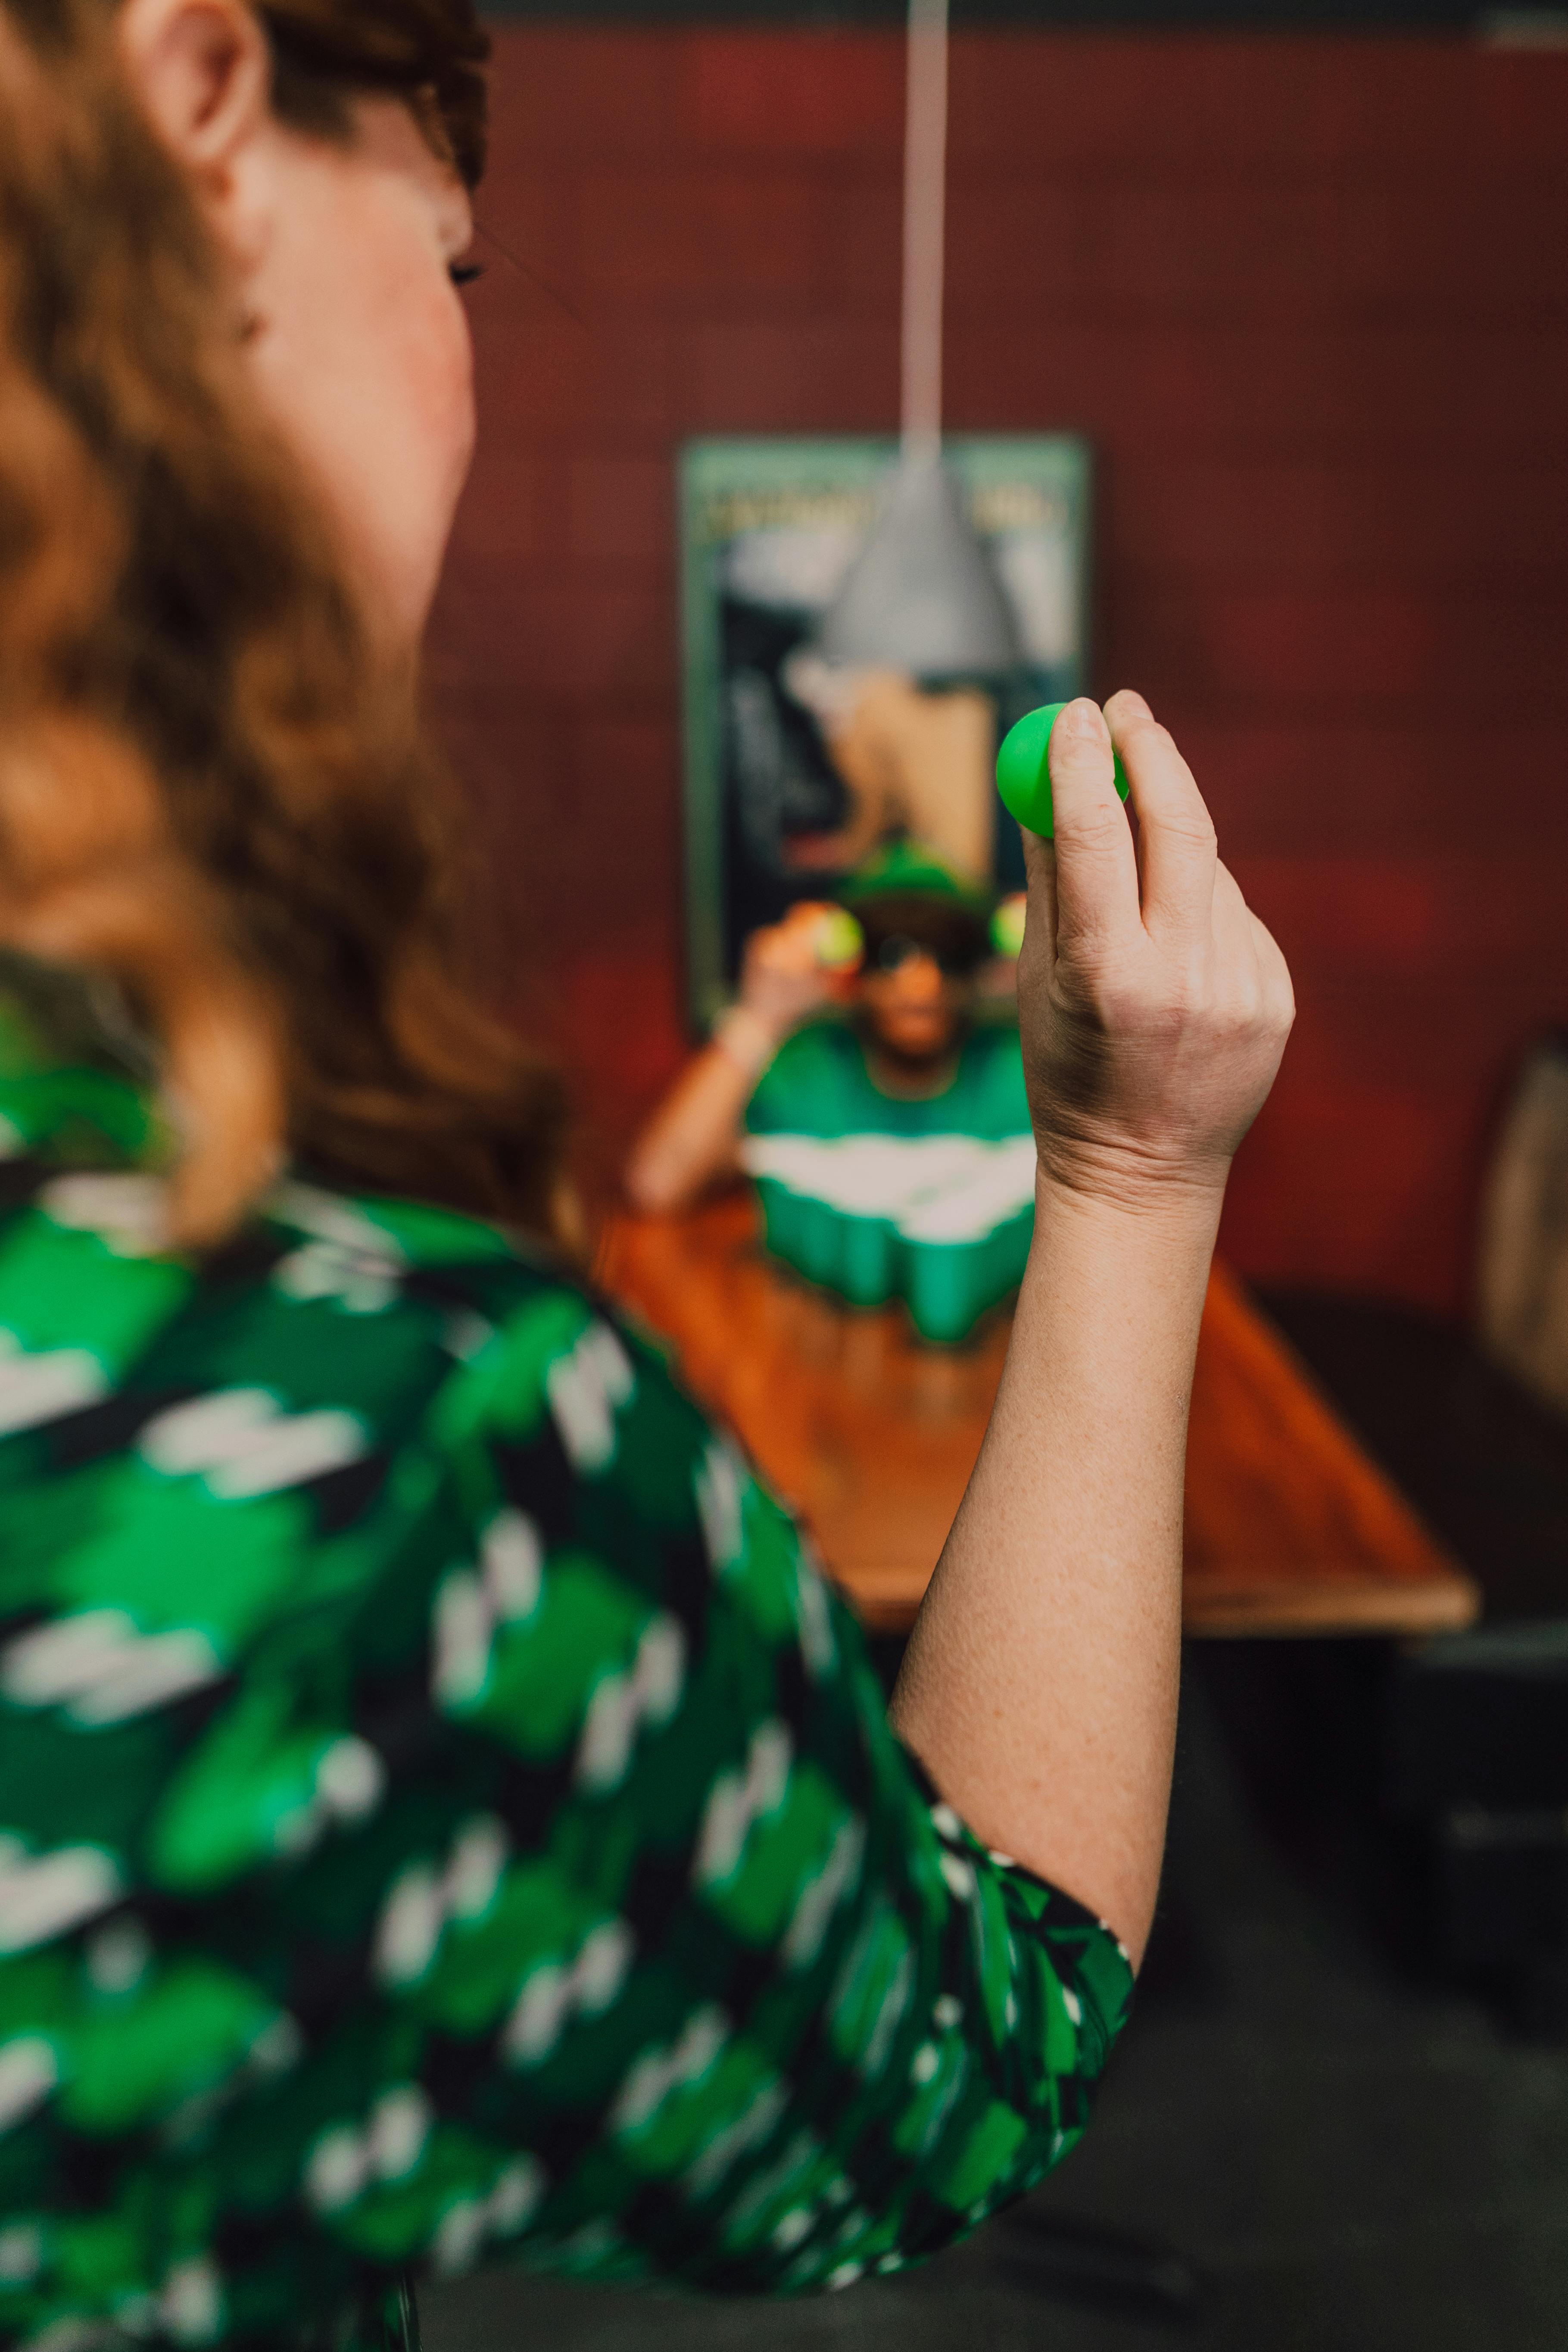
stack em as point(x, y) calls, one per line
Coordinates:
point(840, 941)
point(1024, 769)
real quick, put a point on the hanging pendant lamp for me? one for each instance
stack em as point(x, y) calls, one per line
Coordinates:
point(923, 596)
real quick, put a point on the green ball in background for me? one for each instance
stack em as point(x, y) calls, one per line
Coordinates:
point(1007, 925)
point(1023, 769)
point(840, 941)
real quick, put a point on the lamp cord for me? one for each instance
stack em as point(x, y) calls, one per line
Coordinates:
point(925, 191)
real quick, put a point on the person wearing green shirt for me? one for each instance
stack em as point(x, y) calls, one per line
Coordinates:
point(899, 1165)
point(445, 1818)
point(883, 1113)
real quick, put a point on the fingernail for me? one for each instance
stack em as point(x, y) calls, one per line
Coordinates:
point(1079, 718)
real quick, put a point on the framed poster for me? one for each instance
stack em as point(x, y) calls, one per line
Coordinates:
point(798, 768)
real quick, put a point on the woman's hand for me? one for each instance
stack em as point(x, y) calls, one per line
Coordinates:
point(782, 979)
point(1154, 1005)
point(1041, 1682)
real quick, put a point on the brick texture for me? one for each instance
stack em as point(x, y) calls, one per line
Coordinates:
point(1304, 297)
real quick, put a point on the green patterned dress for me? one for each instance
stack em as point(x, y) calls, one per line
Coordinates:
point(444, 1817)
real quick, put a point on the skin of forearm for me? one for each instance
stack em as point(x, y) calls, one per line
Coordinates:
point(1039, 1687)
point(694, 1137)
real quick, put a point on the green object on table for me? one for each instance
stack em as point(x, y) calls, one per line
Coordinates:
point(1024, 771)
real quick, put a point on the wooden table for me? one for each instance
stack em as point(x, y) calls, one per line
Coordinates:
point(870, 1437)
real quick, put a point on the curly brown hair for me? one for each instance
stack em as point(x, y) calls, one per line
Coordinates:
point(209, 788)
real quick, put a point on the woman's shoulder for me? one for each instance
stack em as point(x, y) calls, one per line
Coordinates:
point(506, 1346)
point(360, 1329)
point(350, 1396)
point(484, 1281)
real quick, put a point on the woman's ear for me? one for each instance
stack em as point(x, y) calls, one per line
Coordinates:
point(202, 73)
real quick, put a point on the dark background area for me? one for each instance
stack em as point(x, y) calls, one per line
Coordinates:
point(1304, 295)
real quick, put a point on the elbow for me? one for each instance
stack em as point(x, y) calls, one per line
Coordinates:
point(652, 1188)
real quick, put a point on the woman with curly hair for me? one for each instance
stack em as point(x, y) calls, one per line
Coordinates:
point(442, 1813)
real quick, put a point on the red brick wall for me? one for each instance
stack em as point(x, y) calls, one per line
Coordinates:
point(1308, 300)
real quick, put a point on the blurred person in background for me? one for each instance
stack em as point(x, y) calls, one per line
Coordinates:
point(441, 1813)
point(814, 1048)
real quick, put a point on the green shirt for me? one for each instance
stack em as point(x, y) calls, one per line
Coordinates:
point(443, 1815)
point(878, 1196)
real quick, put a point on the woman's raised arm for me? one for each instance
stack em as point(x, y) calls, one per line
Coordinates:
point(1040, 1685)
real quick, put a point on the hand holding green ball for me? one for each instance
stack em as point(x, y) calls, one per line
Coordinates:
point(1024, 769)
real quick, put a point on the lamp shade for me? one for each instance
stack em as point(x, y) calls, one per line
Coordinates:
point(921, 595)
